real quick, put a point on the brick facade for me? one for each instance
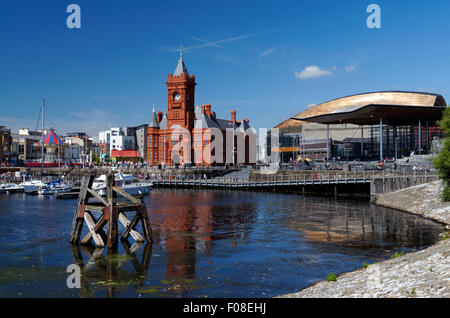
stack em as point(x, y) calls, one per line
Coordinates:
point(186, 135)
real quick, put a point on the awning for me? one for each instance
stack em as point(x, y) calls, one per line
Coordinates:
point(371, 114)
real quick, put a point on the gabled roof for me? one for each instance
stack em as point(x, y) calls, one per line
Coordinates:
point(205, 121)
point(163, 123)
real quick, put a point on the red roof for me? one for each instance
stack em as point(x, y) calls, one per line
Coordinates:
point(125, 153)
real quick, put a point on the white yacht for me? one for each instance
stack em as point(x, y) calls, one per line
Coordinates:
point(31, 186)
point(53, 187)
point(126, 182)
point(10, 187)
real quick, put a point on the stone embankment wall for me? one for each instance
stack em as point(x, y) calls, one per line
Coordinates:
point(425, 273)
point(391, 184)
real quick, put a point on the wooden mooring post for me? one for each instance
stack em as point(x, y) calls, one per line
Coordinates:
point(110, 211)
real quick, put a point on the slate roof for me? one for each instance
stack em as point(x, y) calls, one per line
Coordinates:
point(205, 121)
point(153, 120)
point(181, 68)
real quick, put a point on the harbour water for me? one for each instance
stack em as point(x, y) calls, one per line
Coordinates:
point(207, 243)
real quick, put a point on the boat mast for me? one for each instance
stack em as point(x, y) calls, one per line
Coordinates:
point(42, 142)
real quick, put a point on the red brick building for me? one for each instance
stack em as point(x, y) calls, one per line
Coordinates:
point(194, 135)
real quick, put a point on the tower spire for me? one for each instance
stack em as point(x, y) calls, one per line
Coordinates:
point(181, 68)
point(153, 119)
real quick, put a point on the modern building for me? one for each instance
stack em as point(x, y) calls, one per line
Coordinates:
point(194, 135)
point(141, 140)
point(366, 126)
point(28, 143)
point(5, 146)
point(117, 139)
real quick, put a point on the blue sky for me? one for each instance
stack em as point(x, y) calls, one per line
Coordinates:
point(114, 68)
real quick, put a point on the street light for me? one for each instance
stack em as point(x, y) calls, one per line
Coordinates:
point(396, 147)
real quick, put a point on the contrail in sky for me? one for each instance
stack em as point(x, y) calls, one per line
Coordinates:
point(215, 43)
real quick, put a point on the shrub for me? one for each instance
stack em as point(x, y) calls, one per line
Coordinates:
point(398, 254)
point(331, 277)
point(442, 160)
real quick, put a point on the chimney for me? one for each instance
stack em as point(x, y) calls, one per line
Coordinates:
point(208, 109)
point(160, 116)
point(233, 116)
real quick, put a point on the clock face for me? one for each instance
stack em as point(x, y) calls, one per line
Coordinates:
point(177, 96)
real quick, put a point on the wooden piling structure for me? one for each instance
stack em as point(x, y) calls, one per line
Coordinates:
point(111, 211)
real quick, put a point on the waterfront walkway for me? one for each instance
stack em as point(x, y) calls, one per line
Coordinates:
point(379, 181)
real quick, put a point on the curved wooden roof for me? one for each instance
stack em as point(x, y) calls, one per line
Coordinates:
point(397, 98)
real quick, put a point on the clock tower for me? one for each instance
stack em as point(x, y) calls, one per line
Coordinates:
point(180, 93)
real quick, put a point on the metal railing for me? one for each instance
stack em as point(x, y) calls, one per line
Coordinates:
point(335, 177)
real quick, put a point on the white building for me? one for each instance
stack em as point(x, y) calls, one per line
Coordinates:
point(73, 153)
point(116, 139)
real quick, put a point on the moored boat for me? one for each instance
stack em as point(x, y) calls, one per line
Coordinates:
point(54, 187)
point(10, 187)
point(126, 182)
point(31, 186)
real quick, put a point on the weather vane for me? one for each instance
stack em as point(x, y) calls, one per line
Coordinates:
point(181, 51)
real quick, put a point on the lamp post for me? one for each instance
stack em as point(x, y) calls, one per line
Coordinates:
point(396, 147)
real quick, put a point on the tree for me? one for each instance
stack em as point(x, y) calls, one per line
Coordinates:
point(442, 161)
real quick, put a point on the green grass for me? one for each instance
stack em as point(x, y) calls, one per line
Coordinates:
point(331, 277)
point(398, 254)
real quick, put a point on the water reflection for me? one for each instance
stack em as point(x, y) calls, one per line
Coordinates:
point(207, 243)
point(100, 270)
point(351, 224)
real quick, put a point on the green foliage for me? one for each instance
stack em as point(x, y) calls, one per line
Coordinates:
point(442, 160)
point(366, 265)
point(331, 277)
point(413, 291)
point(398, 254)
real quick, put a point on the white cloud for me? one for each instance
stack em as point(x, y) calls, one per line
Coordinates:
point(267, 52)
point(310, 105)
point(350, 68)
point(312, 72)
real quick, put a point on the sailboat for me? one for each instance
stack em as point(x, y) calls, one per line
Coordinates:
point(39, 186)
point(32, 186)
point(56, 186)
